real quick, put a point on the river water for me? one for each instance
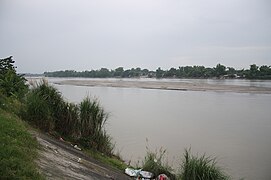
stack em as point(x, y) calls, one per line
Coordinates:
point(234, 127)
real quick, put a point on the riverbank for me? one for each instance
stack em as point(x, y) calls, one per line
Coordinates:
point(18, 149)
point(167, 85)
point(59, 160)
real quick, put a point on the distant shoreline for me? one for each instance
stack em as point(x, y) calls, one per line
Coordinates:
point(179, 86)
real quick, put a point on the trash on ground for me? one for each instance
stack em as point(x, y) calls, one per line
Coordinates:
point(162, 177)
point(138, 173)
point(132, 172)
point(79, 160)
point(76, 147)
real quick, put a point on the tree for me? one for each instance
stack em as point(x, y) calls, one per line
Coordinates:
point(253, 71)
point(220, 70)
point(119, 72)
point(11, 83)
point(265, 71)
point(159, 73)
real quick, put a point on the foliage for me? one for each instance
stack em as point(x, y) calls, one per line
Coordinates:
point(17, 149)
point(83, 123)
point(93, 118)
point(113, 161)
point(155, 162)
point(43, 106)
point(11, 83)
point(219, 71)
point(200, 168)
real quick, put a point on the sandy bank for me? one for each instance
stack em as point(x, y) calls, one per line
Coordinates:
point(163, 85)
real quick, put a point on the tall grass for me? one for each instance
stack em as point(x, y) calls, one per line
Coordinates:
point(83, 123)
point(93, 119)
point(200, 168)
point(155, 162)
point(42, 108)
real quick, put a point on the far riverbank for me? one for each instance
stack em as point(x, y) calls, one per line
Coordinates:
point(166, 85)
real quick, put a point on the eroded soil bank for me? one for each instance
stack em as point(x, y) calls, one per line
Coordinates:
point(60, 160)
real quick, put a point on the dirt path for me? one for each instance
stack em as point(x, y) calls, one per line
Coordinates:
point(59, 160)
point(181, 86)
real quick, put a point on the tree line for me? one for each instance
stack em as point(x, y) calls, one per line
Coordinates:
point(219, 71)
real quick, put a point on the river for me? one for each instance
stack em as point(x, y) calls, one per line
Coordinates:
point(234, 127)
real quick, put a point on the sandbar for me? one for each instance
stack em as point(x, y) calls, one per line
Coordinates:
point(167, 85)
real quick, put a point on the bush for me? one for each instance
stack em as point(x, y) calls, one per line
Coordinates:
point(200, 168)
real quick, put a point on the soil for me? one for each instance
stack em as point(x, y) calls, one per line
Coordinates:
point(60, 160)
point(181, 86)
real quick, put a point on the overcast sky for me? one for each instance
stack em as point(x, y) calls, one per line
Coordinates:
point(81, 35)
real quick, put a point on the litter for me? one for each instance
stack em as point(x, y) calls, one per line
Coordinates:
point(146, 174)
point(162, 177)
point(76, 147)
point(79, 160)
point(138, 173)
point(132, 172)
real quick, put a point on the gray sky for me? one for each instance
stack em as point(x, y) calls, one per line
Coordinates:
point(53, 35)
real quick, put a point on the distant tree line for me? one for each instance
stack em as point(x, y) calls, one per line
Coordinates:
point(219, 71)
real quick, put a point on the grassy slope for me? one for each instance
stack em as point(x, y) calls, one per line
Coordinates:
point(17, 149)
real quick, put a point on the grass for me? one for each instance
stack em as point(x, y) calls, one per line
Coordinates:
point(18, 149)
point(200, 168)
point(155, 162)
point(83, 123)
point(113, 161)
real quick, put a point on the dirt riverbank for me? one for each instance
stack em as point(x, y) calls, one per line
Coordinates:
point(59, 160)
point(170, 85)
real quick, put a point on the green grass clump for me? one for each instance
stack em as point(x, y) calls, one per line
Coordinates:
point(93, 119)
point(113, 161)
point(155, 162)
point(200, 168)
point(18, 149)
point(82, 123)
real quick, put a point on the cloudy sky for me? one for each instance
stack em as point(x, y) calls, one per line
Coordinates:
point(81, 35)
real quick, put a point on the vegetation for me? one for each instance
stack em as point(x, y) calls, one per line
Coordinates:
point(84, 123)
point(219, 71)
point(11, 83)
point(191, 167)
point(155, 162)
point(44, 107)
point(114, 161)
point(17, 149)
point(200, 168)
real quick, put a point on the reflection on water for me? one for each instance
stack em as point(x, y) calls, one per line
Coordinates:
point(235, 127)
